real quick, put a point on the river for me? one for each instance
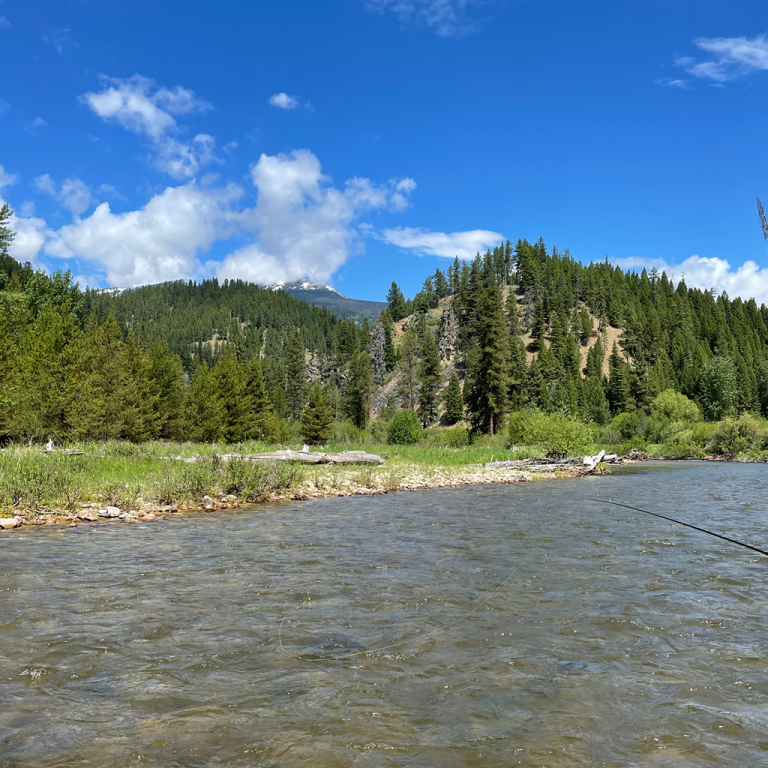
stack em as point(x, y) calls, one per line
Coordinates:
point(478, 626)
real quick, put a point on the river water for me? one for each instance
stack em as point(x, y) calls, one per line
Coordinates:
point(479, 626)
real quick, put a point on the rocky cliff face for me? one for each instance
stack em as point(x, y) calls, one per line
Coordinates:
point(376, 351)
point(448, 334)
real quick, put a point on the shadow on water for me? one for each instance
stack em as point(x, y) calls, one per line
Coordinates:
point(487, 625)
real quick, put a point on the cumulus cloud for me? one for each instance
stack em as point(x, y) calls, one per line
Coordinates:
point(30, 232)
point(300, 225)
point(734, 57)
point(747, 281)
point(448, 18)
point(446, 244)
point(158, 242)
point(75, 195)
point(283, 101)
point(304, 226)
point(140, 106)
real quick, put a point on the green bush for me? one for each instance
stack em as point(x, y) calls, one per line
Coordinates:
point(679, 450)
point(674, 406)
point(446, 438)
point(256, 481)
point(734, 436)
point(558, 435)
point(404, 429)
point(346, 433)
point(626, 424)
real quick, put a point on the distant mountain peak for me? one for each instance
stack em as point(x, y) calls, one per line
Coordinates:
point(301, 285)
point(325, 296)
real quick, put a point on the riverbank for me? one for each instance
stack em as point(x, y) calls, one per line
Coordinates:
point(118, 482)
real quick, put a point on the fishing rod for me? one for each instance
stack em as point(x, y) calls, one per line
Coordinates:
point(687, 525)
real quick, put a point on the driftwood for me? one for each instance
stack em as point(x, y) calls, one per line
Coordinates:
point(305, 457)
point(587, 464)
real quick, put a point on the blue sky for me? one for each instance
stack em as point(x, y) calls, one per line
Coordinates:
point(360, 141)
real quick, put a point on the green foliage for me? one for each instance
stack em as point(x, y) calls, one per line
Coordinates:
point(719, 388)
point(626, 424)
point(454, 401)
point(295, 376)
point(557, 435)
point(358, 396)
point(404, 429)
point(430, 378)
point(317, 419)
point(457, 437)
point(675, 406)
point(257, 481)
point(735, 436)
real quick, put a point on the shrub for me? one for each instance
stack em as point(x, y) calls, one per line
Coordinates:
point(735, 436)
point(679, 450)
point(675, 406)
point(557, 435)
point(256, 481)
point(626, 424)
point(404, 429)
point(346, 433)
point(447, 438)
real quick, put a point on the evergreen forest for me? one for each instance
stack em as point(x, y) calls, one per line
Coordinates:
point(519, 329)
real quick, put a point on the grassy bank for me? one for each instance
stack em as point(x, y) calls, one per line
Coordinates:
point(130, 477)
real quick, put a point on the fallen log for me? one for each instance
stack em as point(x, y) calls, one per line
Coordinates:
point(305, 457)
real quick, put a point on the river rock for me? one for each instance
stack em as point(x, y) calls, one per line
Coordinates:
point(9, 522)
point(113, 512)
point(103, 513)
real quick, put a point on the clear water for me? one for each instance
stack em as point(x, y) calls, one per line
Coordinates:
point(479, 626)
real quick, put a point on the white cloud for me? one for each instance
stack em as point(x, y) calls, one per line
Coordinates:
point(75, 195)
point(30, 232)
point(283, 101)
point(301, 225)
point(5, 24)
point(734, 57)
point(141, 107)
point(7, 179)
point(4, 106)
point(673, 82)
point(747, 281)
point(446, 244)
point(305, 227)
point(38, 122)
point(449, 18)
point(158, 242)
point(61, 39)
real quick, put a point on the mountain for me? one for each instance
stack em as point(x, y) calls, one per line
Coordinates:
point(325, 296)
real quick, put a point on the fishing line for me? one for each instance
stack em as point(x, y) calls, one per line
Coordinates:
point(417, 635)
point(680, 522)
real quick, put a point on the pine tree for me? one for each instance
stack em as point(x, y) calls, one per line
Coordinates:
point(204, 413)
point(295, 376)
point(358, 400)
point(454, 401)
point(488, 398)
point(390, 354)
point(408, 389)
point(166, 383)
point(396, 303)
point(317, 418)
point(430, 379)
point(257, 410)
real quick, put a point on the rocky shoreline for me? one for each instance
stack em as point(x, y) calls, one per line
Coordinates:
point(322, 484)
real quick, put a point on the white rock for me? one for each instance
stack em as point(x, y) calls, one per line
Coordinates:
point(9, 522)
point(113, 512)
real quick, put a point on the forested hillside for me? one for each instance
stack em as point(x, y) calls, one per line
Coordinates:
point(520, 328)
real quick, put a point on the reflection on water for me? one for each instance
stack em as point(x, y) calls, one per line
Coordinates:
point(481, 626)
